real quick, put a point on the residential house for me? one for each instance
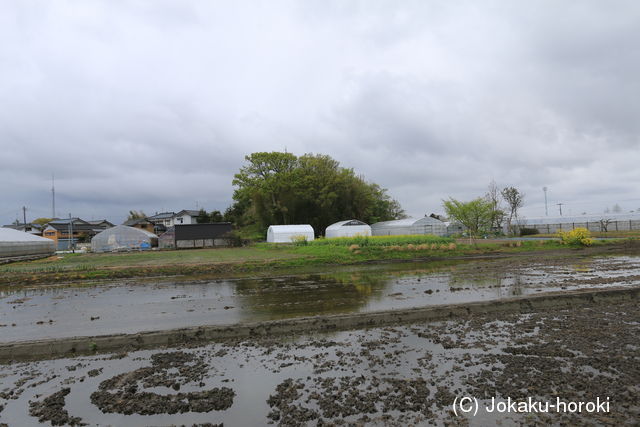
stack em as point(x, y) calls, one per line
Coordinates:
point(68, 231)
point(186, 216)
point(29, 227)
point(101, 223)
point(164, 220)
point(140, 223)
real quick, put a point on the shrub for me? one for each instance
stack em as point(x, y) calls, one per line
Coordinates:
point(577, 237)
point(528, 231)
point(300, 240)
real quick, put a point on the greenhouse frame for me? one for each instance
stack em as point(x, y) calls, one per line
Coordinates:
point(596, 223)
point(16, 245)
point(409, 226)
point(348, 228)
point(123, 238)
point(289, 233)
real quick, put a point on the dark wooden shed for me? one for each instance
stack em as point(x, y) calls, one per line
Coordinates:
point(182, 236)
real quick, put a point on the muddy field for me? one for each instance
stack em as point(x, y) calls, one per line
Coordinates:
point(402, 375)
point(389, 376)
point(133, 306)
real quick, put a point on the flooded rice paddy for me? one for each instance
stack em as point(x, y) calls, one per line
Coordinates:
point(126, 306)
point(404, 375)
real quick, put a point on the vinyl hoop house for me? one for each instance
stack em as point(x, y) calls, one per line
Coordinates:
point(288, 233)
point(348, 228)
point(123, 238)
point(410, 226)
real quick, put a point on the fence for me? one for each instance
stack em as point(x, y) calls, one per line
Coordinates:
point(597, 226)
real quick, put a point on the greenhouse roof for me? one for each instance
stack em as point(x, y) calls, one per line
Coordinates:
point(292, 228)
point(347, 223)
point(408, 222)
point(11, 235)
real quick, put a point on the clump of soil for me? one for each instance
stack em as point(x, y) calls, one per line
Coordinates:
point(121, 393)
point(342, 397)
point(52, 409)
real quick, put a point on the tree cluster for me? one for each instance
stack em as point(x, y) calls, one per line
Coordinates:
point(206, 218)
point(485, 214)
point(281, 188)
point(133, 214)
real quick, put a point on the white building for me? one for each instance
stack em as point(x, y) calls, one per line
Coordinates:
point(288, 233)
point(169, 219)
point(349, 228)
point(409, 226)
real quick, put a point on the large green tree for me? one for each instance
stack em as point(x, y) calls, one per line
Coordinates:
point(281, 188)
point(475, 215)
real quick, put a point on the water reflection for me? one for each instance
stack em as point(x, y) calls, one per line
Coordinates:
point(128, 306)
point(309, 295)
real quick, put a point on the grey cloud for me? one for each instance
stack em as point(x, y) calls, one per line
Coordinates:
point(153, 105)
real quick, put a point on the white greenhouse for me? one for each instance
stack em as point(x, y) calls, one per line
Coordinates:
point(289, 233)
point(408, 226)
point(349, 228)
point(121, 237)
point(16, 244)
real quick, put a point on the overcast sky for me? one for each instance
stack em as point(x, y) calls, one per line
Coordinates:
point(153, 105)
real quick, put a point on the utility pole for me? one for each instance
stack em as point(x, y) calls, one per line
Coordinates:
point(560, 206)
point(24, 215)
point(53, 197)
point(546, 210)
point(71, 246)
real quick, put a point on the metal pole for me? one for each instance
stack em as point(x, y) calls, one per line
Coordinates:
point(560, 206)
point(53, 197)
point(24, 215)
point(546, 210)
point(71, 245)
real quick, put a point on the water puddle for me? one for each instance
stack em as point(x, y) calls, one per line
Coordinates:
point(126, 307)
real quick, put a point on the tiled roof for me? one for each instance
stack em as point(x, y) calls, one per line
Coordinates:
point(161, 215)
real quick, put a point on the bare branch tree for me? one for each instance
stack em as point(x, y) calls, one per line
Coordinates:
point(604, 224)
point(515, 200)
point(493, 197)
